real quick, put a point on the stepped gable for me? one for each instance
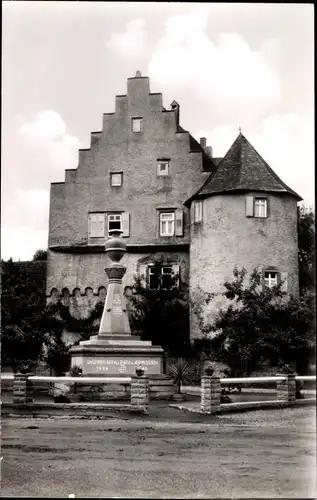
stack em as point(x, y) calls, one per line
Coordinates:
point(242, 169)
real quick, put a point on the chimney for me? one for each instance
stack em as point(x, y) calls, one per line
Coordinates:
point(203, 142)
point(175, 108)
point(209, 151)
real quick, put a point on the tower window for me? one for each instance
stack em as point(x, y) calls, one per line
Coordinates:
point(198, 214)
point(270, 278)
point(136, 124)
point(260, 207)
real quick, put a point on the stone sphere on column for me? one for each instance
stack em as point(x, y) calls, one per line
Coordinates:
point(115, 246)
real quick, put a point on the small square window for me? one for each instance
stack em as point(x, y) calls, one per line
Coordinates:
point(167, 224)
point(270, 278)
point(260, 207)
point(114, 221)
point(162, 167)
point(198, 214)
point(116, 179)
point(136, 124)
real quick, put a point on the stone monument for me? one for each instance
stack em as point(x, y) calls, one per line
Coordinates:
point(114, 351)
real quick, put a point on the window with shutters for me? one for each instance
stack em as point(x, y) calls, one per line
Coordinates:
point(198, 211)
point(260, 207)
point(116, 179)
point(136, 124)
point(163, 167)
point(256, 207)
point(167, 224)
point(96, 225)
point(114, 221)
point(270, 278)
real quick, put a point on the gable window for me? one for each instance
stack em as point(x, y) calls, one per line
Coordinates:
point(167, 224)
point(162, 167)
point(260, 207)
point(270, 278)
point(116, 178)
point(136, 124)
point(96, 225)
point(114, 221)
point(198, 211)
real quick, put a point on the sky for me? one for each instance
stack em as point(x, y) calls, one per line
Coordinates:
point(227, 65)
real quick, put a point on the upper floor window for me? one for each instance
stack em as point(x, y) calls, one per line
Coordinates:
point(167, 224)
point(198, 211)
point(162, 167)
point(270, 278)
point(260, 207)
point(114, 221)
point(116, 178)
point(136, 124)
point(256, 207)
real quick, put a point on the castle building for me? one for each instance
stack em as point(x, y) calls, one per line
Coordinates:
point(176, 204)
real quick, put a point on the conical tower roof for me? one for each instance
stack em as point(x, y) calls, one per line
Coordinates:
point(242, 169)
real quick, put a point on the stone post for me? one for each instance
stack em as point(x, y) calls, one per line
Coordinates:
point(286, 389)
point(140, 393)
point(22, 389)
point(210, 394)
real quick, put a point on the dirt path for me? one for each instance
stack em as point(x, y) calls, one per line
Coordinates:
point(258, 454)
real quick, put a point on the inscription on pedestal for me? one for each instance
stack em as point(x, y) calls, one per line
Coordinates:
point(122, 366)
point(116, 305)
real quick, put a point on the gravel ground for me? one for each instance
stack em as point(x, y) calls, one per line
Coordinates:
point(261, 454)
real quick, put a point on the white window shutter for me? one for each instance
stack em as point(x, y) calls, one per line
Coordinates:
point(284, 280)
point(96, 225)
point(249, 208)
point(176, 273)
point(143, 274)
point(126, 224)
point(179, 230)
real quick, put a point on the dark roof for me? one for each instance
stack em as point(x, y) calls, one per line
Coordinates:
point(195, 147)
point(242, 168)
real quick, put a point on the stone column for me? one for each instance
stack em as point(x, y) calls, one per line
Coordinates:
point(286, 389)
point(22, 390)
point(140, 394)
point(210, 394)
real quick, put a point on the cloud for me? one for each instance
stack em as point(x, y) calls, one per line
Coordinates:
point(228, 74)
point(49, 145)
point(285, 141)
point(21, 242)
point(132, 41)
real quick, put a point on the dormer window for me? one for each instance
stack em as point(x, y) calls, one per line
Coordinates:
point(162, 167)
point(136, 124)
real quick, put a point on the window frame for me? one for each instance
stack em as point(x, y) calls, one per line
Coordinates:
point(257, 207)
point(172, 220)
point(198, 213)
point(112, 175)
point(159, 278)
point(161, 173)
point(117, 214)
point(270, 283)
point(134, 120)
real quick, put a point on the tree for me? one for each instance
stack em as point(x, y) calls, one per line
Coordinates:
point(306, 249)
point(161, 313)
point(262, 325)
point(40, 255)
point(22, 305)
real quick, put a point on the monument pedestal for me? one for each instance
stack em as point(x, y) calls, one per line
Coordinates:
point(114, 351)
